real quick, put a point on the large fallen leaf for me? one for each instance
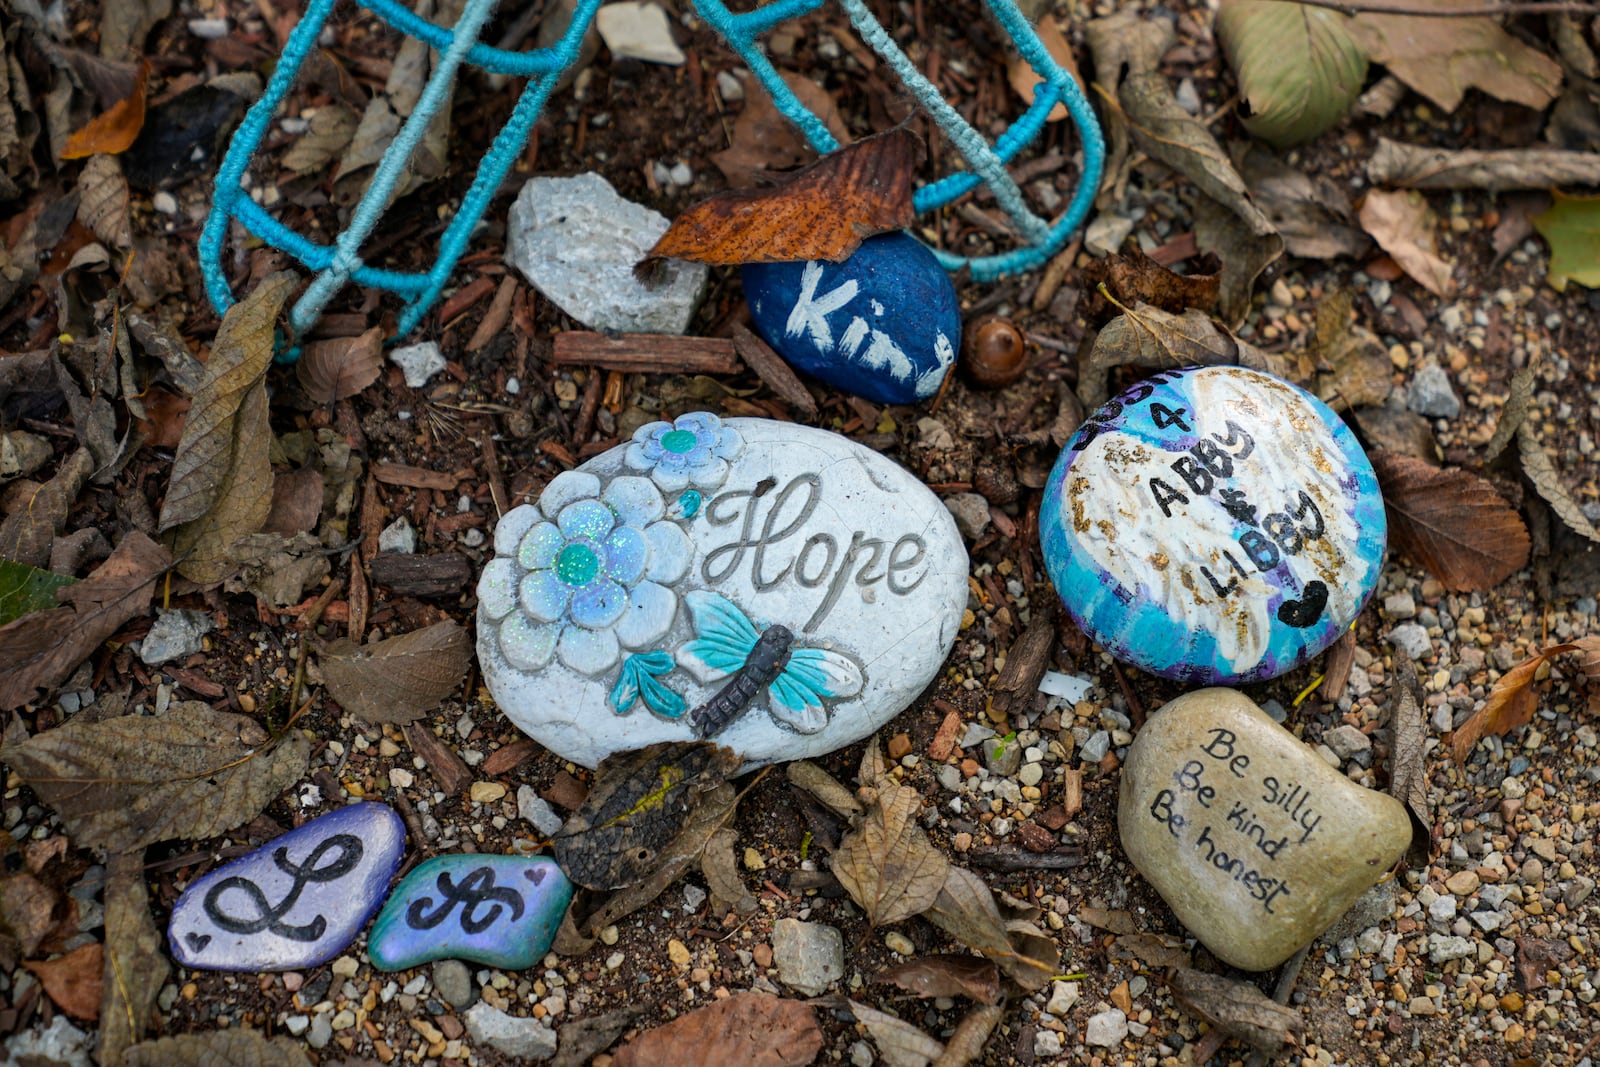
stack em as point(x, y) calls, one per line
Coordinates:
point(1572, 229)
point(73, 980)
point(887, 864)
point(1299, 69)
point(966, 910)
point(763, 142)
point(639, 804)
point(39, 650)
point(1442, 58)
point(1238, 1009)
point(115, 129)
point(1312, 212)
point(1408, 765)
point(28, 532)
point(27, 915)
point(221, 481)
point(900, 1043)
point(1451, 522)
point(135, 958)
point(1541, 471)
point(235, 1047)
point(340, 367)
point(821, 212)
point(946, 976)
point(1511, 703)
point(398, 678)
point(1149, 337)
point(1403, 225)
point(26, 589)
point(1134, 278)
point(1415, 166)
point(128, 782)
point(754, 1029)
point(103, 201)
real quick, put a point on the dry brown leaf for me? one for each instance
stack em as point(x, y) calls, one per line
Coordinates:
point(28, 532)
point(398, 678)
point(129, 782)
point(581, 1040)
point(27, 915)
point(900, 1043)
point(296, 502)
point(73, 980)
point(103, 201)
point(135, 959)
point(1414, 166)
point(1442, 58)
point(1149, 337)
point(340, 367)
point(721, 870)
point(1541, 471)
point(1156, 951)
point(1589, 664)
point(1513, 413)
point(1357, 361)
point(1025, 81)
point(1403, 225)
point(967, 911)
point(235, 1047)
point(1134, 278)
point(1115, 922)
point(946, 976)
point(115, 129)
point(1408, 767)
point(41, 649)
point(1311, 211)
point(1238, 1009)
point(763, 142)
point(754, 1029)
point(822, 785)
point(1244, 253)
point(887, 864)
point(821, 212)
point(1451, 522)
point(1511, 703)
point(326, 137)
point(221, 481)
point(967, 1044)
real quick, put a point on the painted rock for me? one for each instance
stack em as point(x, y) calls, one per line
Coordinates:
point(1252, 839)
point(884, 324)
point(295, 902)
point(499, 910)
point(779, 588)
point(1213, 524)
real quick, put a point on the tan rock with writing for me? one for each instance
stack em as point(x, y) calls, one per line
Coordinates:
point(1255, 843)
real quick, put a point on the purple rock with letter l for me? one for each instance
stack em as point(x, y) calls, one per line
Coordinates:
point(295, 902)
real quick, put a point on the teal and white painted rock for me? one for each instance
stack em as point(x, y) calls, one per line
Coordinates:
point(295, 902)
point(499, 910)
point(1213, 524)
point(779, 588)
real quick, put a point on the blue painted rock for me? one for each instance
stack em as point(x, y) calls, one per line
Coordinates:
point(1255, 842)
point(295, 902)
point(778, 588)
point(1213, 524)
point(499, 910)
point(884, 324)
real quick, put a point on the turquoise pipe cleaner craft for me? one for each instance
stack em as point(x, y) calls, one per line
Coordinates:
point(340, 263)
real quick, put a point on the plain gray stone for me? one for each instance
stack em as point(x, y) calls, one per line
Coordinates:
point(1094, 750)
point(519, 1038)
point(321, 1031)
point(1107, 1029)
point(971, 513)
point(534, 808)
point(809, 956)
point(1399, 605)
point(1346, 741)
point(175, 635)
point(398, 536)
point(453, 982)
point(1431, 394)
point(1002, 757)
point(418, 362)
point(1442, 949)
point(1413, 639)
point(577, 241)
point(59, 1043)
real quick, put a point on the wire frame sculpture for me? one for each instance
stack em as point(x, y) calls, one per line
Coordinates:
point(338, 264)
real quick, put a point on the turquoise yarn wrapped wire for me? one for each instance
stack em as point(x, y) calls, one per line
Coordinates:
point(340, 263)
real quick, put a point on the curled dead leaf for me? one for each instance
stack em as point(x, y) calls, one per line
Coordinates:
point(398, 678)
point(236, 1047)
point(754, 1029)
point(1403, 225)
point(887, 864)
point(946, 976)
point(340, 367)
point(115, 129)
point(1408, 766)
point(1511, 703)
point(1238, 1009)
point(73, 980)
point(136, 964)
point(1541, 471)
point(1451, 522)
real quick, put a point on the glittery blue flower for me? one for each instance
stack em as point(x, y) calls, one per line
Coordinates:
point(584, 575)
point(693, 449)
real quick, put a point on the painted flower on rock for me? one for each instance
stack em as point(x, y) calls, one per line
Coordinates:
point(585, 574)
point(693, 449)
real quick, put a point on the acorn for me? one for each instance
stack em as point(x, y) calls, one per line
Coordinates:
point(994, 477)
point(992, 352)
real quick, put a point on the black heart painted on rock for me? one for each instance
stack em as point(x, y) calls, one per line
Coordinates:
point(197, 942)
point(535, 875)
point(1308, 609)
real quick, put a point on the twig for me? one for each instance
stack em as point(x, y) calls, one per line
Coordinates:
point(1286, 980)
point(1006, 858)
point(653, 353)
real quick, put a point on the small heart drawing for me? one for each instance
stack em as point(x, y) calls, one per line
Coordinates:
point(535, 875)
point(1308, 609)
point(197, 942)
